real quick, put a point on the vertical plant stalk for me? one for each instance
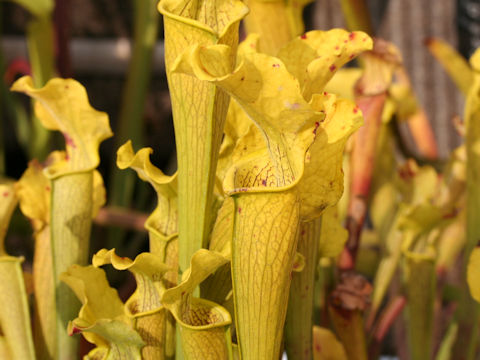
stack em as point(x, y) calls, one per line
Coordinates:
point(14, 313)
point(453, 62)
point(415, 116)
point(34, 191)
point(199, 110)
point(62, 104)
point(299, 321)
point(144, 307)
point(346, 306)
point(362, 165)
point(70, 235)
point(370, 93)
point(276, 22)
point(162, 224)
point(357, 15)
point(44, 319)
point(40, 43)
point(15, 329)
point(133, 100)
point(420, 285)
point(103, 319)
point(265, 244)
point(270, 20)
point(204, 326)
point(423, 135)
point(387, 319)
point(3, 107)
point(272, 189)
point(468, 313)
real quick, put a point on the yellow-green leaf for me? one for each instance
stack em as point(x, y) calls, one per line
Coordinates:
point(380, 65)
point(343, 82)
point(7, 206)
point(121, 341)
point(322, 183)
point(204, 325)
point(148, 270)
point(332, 235)
point(473, 274)
point(314, 57)
point(150, 317)
point(299, 321)
point(454, 64)
point(39, 8)
point(271, 21)
point(15, 322)
point(199, 110)
point(450, 243)
point(270, 95)
point(99, 300)
point(164, 218)
point(295, 14)
point(34, 191)
point(4, 352)
point(263, 253)
point(326, 345)
point(62, 104)
point(218, 286)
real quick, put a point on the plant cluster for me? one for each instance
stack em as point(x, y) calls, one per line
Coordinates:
point(289, 174)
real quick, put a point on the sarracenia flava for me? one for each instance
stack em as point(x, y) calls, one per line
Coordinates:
point(255, 174)
point(62, 104)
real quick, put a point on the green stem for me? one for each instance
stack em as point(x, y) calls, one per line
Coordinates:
point(356, 15)
point(346, 318)
point(134, 94)
point(2, 140)
point(40, 43)
point(263, 251)
point(44, 322)
point(420, 284)
point(299, 322)
point(14, 312)
point(270, 20)
point(71, 218)
point(445, 350)
point(468, 311)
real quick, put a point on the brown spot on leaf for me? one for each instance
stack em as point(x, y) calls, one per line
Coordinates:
point(332, 68)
